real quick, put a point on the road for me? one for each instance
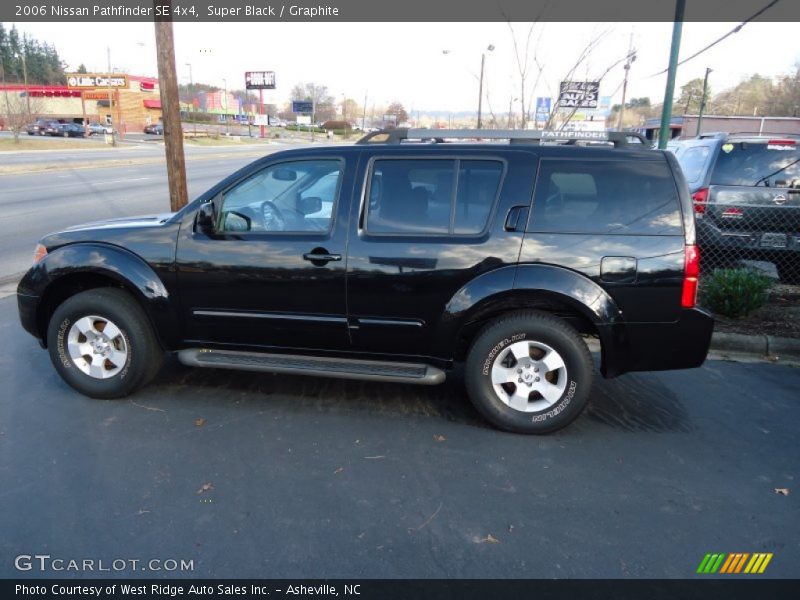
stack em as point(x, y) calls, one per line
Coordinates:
point(85, 185)
point(276, 476)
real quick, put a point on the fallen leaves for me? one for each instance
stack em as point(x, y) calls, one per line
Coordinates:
point(489, 539)
point(782, 491)
point(199, 422)
point(375, 457)
point(206, 487)
point(439, 438)
point(339, 470)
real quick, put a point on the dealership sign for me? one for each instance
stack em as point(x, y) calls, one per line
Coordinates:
point(579, 94)
point(93, 80)
point(259, 80)
point(302, 107)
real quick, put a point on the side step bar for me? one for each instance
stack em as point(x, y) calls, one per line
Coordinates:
point(341, 368)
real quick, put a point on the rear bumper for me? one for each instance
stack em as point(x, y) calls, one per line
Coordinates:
point(744, 243)
point(682, 344)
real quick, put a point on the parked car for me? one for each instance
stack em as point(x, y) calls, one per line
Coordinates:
point(72, 130)
point(53, 128)
point(40, 126)
point(746, 194)
point(155, 128)
point(96, 128)
point(391, 260)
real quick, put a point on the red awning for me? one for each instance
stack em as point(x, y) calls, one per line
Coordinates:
point(152, 103)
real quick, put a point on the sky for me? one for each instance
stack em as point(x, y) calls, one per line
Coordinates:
point(406, 61)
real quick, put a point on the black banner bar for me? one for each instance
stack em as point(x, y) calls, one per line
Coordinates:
point(231, 11)
point(734, 588)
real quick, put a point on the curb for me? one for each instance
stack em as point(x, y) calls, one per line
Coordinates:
point(756, 345)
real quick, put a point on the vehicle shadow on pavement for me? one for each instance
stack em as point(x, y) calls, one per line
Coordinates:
point(632, 403)
point(326, 395)
point(637, 402)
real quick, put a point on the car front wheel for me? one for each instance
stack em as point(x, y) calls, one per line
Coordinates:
point(529, 372)
point(101, 343)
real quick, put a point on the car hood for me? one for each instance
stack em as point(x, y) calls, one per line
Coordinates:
point(127, 222)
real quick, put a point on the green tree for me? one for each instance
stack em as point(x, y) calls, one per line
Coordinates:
point(82, 68)
point(324, 102)
point(691, 94)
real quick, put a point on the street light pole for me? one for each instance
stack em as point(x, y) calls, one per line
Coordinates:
point(630, 58)
point(702, 103)
point(225, 98)
point(489, 48)
point(110, 100)
point(21, 55)
point(191, 98)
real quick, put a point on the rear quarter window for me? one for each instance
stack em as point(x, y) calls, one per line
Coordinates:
point(693, 161)
point(605, 197)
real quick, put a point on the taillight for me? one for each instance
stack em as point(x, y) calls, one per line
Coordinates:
point(699, 198)
point(691, 271)
point(39, 253)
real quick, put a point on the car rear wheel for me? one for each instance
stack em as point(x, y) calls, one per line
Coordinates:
point(529, 372)
point(101, 343)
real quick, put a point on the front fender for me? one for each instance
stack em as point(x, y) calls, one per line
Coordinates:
point(113, 262)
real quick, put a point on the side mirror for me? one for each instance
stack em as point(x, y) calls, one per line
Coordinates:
point(206, 218)
point(309, 205)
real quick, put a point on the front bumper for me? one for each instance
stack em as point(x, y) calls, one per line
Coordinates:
point(28, 309)
point(682, 344)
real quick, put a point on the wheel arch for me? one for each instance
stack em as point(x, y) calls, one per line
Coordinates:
point(75, 268)
point(564, 293)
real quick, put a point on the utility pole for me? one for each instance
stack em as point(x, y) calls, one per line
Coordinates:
point(110, 99)
point(170, 108)
point(702, 103)
point(5, 91)
point(666, 113)
point(630, 58)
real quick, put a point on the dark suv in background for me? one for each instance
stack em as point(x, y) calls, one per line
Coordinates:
point(393, 259)
point(746, 194)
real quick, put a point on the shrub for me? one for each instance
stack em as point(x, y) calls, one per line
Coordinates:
point(337, 125)
point(735, 292)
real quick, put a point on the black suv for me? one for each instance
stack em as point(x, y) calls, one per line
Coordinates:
point(393, 259)
point(746, 193)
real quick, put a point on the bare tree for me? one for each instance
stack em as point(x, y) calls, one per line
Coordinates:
point(17, 115)
point(525, 61)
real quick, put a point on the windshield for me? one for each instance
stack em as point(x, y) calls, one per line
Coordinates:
point(757, 164)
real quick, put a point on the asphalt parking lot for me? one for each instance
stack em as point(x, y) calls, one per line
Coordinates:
point(272, 476)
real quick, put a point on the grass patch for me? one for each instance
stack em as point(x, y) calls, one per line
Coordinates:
point(8, 144)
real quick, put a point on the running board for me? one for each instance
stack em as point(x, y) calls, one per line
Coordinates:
point(341, 368)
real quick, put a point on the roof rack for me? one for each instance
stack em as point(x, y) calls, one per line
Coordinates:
point(627, 139)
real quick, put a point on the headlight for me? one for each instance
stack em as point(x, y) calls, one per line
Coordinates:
point(39, 253)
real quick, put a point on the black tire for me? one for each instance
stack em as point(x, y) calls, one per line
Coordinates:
point(491, 346)
point(144, 355)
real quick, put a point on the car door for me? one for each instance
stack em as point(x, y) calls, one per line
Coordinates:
point(272, 273)
point(428, 224)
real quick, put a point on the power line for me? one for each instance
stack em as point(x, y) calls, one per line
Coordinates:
point(730, 33)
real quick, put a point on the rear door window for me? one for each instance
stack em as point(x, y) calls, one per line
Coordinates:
point(432, 196)
point(758, 164)
point(605, 197)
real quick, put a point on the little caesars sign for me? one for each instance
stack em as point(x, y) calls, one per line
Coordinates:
point(579, 94)
point(95, 80)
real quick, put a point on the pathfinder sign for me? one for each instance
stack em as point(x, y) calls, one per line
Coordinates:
point(94, 80)
point(579, 94)
point(259, 80)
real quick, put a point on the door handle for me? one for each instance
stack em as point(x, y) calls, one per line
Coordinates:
point(513, 218)
point(321, 257)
